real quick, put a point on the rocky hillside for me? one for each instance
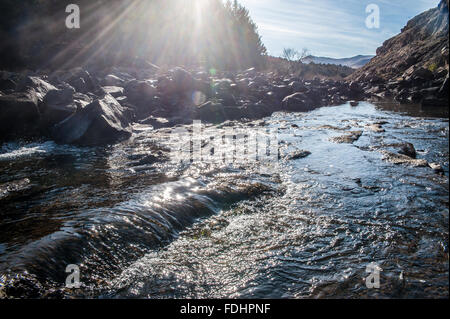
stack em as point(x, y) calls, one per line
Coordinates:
point(413, 65)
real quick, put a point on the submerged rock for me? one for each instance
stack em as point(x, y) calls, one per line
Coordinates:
point(436, 167)
point(9, 188)
point(349, 138)
point(101, 122)
point(297, 154)
point(403, 159)
point(408, 150)
point(377, 128)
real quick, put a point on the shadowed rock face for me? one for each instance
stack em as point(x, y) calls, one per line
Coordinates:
point(19, 114)
point(101, 122)
point(413, 65)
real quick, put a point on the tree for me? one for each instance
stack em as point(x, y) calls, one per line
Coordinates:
point(165, 32)
point(294, 58)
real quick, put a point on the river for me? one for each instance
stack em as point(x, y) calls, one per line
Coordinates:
point(141, 223)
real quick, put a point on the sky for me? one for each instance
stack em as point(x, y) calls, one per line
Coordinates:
point(330, 28)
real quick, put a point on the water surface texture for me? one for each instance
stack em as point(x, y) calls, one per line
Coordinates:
point(142, 226)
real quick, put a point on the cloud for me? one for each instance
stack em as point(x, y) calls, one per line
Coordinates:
point(328, 27)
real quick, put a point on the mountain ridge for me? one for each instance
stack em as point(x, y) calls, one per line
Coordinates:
point(412, 67)
point(354, 62)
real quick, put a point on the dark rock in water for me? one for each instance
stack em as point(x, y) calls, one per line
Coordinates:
point(19, 115)
point(297, 102)
point(297, 154)
point(348, 138)
point(101, 122)
point(377, 128)
point(436, 167)
point(403, 159)
point(408, 150)
point(10, 188)
point(354, 103)
point(149, 159)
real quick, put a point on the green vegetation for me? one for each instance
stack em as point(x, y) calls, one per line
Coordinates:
point(432, 67)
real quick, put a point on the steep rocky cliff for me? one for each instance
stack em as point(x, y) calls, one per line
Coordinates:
point(413, 65)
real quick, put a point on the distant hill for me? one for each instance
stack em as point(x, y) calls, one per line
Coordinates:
point(308, 71)
point(355, 62)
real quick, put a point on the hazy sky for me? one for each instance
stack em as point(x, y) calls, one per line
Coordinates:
point(334, 28)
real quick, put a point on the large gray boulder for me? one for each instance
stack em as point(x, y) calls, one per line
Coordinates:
point(101, 122)
point(40, 86)
point(58, 104)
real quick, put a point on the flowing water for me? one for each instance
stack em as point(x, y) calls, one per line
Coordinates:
point(141, 223)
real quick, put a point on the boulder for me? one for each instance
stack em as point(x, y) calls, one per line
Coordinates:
point(58, 104)
point(101, 122)
point(403, 159)
point(297, 102)
point(281, 91)
point(38, 85)
point(140, 90)
point(81, 80)
point(297, 86)
point(422, 73)
point(437, 168)
point(297, 154)
point(115, 91)
point(183, 80)
point(7, 85)
point(377, 128)
point(19, 114)
point(226, 98)
point(348, 138)
point(210, 112)
point(112, 80)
